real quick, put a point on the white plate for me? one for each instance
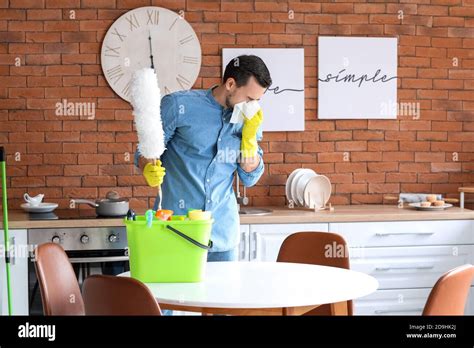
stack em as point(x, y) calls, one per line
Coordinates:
point(317, 188)
point(300, 184)
point(41, 208)
point(288, 184)
point(294, 183)
point(419, 207)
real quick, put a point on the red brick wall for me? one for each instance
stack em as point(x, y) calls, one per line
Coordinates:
point(66, 157)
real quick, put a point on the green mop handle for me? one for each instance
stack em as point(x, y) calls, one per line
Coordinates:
point(5, 225)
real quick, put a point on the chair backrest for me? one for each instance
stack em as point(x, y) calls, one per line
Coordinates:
point(450, 293)
point(60, 292)
point(110, 295)
point(317, 248)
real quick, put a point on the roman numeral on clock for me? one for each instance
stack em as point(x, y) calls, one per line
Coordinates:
point(172, 24)
point(133, 21)
point(112, 51)
point(120, 36)
point(186, 39)
point(182, 81)
point(153, 17)
point(126, 88)
point(190, 60)
point(115, 73)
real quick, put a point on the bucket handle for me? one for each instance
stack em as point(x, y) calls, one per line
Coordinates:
point(189, 239)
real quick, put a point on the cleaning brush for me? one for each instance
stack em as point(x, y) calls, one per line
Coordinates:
point(146, 102)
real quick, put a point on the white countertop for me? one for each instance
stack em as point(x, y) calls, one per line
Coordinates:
point(280, 215)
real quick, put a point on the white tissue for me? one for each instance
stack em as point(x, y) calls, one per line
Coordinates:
point(146, 102)
point(244, 109)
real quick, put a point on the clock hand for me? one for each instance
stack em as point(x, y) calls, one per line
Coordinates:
point(151, 51)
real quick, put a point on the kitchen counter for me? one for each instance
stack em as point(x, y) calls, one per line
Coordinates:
point(280, 215)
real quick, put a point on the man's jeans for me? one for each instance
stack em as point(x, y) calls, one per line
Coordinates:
point(230, 255)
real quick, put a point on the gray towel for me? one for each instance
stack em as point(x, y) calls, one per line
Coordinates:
point(417, 197)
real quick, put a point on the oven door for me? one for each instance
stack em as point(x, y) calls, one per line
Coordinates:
point(84, 263)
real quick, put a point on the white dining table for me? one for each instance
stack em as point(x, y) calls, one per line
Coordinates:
point(264, 288)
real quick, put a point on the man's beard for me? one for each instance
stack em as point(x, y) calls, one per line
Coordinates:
point(228, 104)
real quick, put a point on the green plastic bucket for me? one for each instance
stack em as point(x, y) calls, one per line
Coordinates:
point(168, 251)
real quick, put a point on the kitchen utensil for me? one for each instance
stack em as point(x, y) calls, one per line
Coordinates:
point(293, 187)
point(39, 208)
point(294, 183)
point(112, 195)
point(108, 207)
point(300, 185)
point(416, 198)
point(6, 237)
point(288, 184)
point(317, 192)
point(419, 207)
point(33, 201)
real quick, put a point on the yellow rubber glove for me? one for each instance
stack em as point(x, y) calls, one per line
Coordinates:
point(249, 144)
point(154, 174)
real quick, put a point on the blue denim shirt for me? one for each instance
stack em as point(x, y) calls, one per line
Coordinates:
point(201, 156)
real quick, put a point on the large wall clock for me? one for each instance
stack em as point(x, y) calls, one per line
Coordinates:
point(174, 45)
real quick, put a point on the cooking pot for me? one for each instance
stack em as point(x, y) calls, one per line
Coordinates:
point(112, 205)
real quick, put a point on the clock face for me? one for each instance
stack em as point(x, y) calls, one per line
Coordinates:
point(174, 45)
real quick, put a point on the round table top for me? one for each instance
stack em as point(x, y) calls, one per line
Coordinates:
point(265, 285)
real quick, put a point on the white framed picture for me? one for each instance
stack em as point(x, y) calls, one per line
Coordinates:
point(357, 78)
point(283, 102)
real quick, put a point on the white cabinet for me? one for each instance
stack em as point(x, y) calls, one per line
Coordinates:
point(18, 273)
point(410, 267)
point(392, 302)
point(244, 247)
point(266, 239)
point(405, 233)
point(399, 302)
point(406, 257)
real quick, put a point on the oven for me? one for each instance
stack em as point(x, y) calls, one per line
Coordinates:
point(91, 250)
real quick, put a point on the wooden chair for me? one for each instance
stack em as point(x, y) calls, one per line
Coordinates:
point(110, 295)
point(450, 293)
point(316, 248)
point(60, 292)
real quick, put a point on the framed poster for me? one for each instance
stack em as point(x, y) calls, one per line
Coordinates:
point(357, 78)
point(283, 102)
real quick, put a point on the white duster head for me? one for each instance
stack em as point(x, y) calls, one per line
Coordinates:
point(146, 101)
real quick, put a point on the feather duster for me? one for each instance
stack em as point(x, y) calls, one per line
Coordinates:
point(146, 102)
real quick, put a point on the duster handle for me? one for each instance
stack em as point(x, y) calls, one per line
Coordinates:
point(159, 189)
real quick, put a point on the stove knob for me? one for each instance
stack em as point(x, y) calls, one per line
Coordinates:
point(56, 239)
point(84, 239)
point(113, 238)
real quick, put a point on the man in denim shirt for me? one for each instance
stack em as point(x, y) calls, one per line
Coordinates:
point(203, 150)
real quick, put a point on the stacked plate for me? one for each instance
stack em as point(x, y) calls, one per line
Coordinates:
point(305, 188)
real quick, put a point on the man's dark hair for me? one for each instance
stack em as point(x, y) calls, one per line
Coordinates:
point(242, 67)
